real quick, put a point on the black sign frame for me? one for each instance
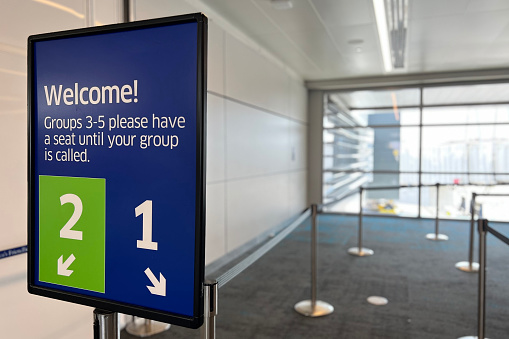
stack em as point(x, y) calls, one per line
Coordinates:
point(199, 269)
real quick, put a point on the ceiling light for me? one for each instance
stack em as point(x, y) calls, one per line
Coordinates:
point(61, 7)
point(281, 4)
point(383, 33)
point(392, 24)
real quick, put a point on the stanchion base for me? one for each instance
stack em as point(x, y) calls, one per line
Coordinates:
point(145, 330)
point(466, 267)
point(321, 308)
point(364, 252)
point(377, 300)
point(436, 237)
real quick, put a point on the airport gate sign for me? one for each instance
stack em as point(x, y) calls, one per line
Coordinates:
point(117, 167)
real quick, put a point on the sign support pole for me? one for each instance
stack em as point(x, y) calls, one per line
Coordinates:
point(106, 324)
point(208, 329)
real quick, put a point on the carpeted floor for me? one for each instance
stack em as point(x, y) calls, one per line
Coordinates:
point(428, 296)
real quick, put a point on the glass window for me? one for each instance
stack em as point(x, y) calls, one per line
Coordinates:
point(466, 94)
point(392, 179)
point(401, 201)
point(370, 117)
point(379, 98)
point(374, 139)
point(396, 149)
point(348, 149)
point(465, 114)
point(444, 149)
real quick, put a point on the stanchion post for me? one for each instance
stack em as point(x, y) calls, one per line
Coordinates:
point(471, 240)
point(106, 324)
point(438, 210)
point(314, 307)
point(470, 266)
point(314, 240)
point(359, 251)
point(437, 236)
point(482, 225)
point(208, 329)
point(360, 218)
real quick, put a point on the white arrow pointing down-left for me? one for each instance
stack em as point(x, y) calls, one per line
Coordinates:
point(159, 287)
point(62, 266)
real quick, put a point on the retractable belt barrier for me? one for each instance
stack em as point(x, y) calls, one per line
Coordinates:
point(311, 308)
point(363, 252)
point(13, 251)
point(470, 265)
point(483, 229)
point(465, 266)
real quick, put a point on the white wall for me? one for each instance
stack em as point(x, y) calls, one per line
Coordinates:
point(256, 135)
point(23, 315)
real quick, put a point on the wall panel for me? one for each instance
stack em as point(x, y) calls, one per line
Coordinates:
point(13, 182)
point(215, 245)
point(298, 144)
point(257, 142)
point(215, 138)
point(253, 79)
point(298, 101)
point(254, 206)
point(215, 67)
point(297, 191)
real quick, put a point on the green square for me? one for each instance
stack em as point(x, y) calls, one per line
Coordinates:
point(72, 242)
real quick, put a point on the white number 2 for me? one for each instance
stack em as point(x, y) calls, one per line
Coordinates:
point(146, 210)
point(66, 231)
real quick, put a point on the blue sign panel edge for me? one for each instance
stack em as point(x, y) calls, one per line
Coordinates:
point(197, 319)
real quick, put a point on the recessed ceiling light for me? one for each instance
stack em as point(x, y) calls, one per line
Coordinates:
point(358, 49)
point(392, 25)
point(281, 4)
point(383, 34)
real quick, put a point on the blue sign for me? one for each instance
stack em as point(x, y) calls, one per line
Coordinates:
point(117, 167)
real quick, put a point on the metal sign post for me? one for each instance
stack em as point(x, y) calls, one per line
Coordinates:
point(208, 329)
point(106, 325)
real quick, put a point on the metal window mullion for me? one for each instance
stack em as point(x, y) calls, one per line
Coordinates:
point(420, 154)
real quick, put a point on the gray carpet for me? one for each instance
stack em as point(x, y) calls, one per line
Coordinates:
point(428, 296)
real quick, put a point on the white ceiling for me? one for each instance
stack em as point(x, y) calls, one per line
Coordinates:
point(329, 39)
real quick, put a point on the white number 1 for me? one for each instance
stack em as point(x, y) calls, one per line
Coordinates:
point(146, 210)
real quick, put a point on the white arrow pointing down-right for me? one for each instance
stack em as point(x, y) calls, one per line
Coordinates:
point(159, 287)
